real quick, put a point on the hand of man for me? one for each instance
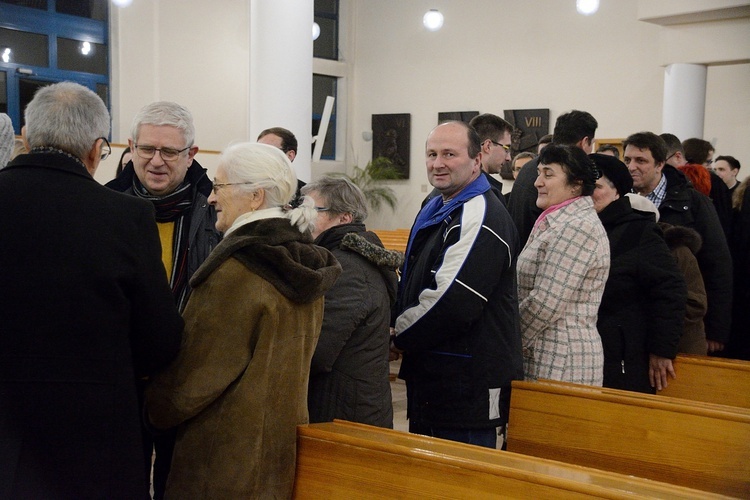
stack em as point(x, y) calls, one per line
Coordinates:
point(714, 346)
point(658, 369)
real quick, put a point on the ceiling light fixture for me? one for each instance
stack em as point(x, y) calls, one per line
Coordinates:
point(122, 3)
point(433, 20)
point(316, 31)
point(587, 7)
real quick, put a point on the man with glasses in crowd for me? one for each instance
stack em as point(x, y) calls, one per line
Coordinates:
point(163, 171)
point(84, 306)
point(494, 132)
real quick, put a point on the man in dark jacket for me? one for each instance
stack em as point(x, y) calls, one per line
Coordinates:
point(349, 373)
point(576, 128)
point(163, 171)
point(84, 310)
point(456, 317)
point(681, 205)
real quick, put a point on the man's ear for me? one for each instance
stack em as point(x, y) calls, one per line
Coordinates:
point(23, 138)
point(291, 154)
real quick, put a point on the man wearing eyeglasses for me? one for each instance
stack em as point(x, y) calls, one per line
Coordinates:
point(163, 171)
point(494, 132)
point(84, 310)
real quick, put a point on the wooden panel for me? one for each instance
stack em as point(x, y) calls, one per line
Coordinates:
point(342, 460)
point(709, 379)
point(394, 239)
point(694, 444)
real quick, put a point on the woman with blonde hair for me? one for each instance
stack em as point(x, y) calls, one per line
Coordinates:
point(238, 388)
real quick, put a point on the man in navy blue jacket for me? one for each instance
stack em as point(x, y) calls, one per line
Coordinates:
point(456, 318)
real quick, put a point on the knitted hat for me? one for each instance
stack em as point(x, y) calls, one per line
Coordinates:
point(614, 170)
point(7, 139)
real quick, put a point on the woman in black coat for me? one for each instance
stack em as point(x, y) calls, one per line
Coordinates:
point(643, 307)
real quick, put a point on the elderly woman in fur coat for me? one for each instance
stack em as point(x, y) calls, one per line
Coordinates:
point(237, 390)
point(350, 369)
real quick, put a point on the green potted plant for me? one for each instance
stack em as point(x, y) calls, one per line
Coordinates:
point(368, 180)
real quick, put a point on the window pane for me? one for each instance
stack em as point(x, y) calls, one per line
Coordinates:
point(33, 4)
point(324, 86)
point(102, 90)
point(90, 9)
point(326, 46)
point(27, 87)
point(76, 55)
point(3, 92)
point(25, 48)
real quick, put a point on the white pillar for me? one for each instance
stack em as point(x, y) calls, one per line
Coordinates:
point(684, 100)
point(281, 49)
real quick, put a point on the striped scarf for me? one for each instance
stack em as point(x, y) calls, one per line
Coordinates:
point(174, 207)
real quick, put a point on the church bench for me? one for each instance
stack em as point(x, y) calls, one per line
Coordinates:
point(689, 443)
point(393, 239)
point(344, 460)
point(710, 379)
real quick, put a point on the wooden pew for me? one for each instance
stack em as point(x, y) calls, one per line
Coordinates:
point(343, 460)
point(690, 443)
point(393, 239)
point(709, 379)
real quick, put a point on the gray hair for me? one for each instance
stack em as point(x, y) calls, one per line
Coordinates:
point(165, 113)
point(66, 116)
point(266, 167)
point(342, 196)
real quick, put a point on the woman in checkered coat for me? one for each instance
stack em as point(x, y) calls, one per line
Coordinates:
point(562, 271)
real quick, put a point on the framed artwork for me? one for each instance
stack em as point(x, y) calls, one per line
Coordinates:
point(460, 116)
point(529, 125)
point(391, 138)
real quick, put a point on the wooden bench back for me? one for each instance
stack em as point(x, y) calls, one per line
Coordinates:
point(709, 379)
point(393, 239)
point(699, 445)
point(343, 460)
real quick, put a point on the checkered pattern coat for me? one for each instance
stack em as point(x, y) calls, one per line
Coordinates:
point(561, 275)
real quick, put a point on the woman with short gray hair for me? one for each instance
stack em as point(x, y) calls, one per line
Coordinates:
point(350, 368)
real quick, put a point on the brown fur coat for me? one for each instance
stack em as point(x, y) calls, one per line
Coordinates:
point(238, 388)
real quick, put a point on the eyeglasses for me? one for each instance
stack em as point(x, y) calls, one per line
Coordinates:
point(322, 209)
point(670, 157)
point(167, 154)
point(106, 148)
point(218, 185)
point(708, 163)
point(506, 148)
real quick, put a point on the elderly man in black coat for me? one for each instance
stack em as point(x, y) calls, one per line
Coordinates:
point(85, 308)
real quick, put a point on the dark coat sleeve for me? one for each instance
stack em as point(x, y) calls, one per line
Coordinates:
point(715, 263)
point(346, 305)
point(666, 293)
point(156, 329)
point(522, 203)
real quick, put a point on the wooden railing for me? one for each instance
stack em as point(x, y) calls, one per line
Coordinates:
point(342, 460)
point(690, 443)
point(710, 379)
point(394, 239)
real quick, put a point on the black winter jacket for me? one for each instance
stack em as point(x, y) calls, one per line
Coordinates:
point(643, 306)
point(349, 373)
point(684, 206)
point(203, 235)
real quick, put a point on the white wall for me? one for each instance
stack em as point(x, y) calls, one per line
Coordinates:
point(489, 56)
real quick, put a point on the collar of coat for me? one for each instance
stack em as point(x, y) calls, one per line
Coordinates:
point(356, 238)
point(195, 175)
point(277, 252)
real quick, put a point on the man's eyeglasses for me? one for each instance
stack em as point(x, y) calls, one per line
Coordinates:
point(167, 154)
point(106, 148)
point(670, 157)
point(322, 209)
point(218, 185)
point(506, 148)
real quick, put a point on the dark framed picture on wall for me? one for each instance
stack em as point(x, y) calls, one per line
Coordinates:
point(529, 125)
point(459, 116)
point(391, 138)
